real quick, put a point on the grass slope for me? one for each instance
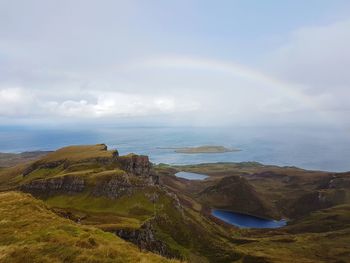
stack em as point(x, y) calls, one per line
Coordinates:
point(317, 204)
point(321, 237)
point(32, 233)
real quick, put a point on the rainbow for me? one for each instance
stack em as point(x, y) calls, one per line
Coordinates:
point(235, 69)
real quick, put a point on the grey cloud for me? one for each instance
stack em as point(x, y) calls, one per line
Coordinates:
point(71, 59)
point(318, 57)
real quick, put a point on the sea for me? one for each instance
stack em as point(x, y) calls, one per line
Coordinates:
point(310, 148)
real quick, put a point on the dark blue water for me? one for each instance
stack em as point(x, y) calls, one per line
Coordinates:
point(246, 221)
point(321, 149)
point(191, 176)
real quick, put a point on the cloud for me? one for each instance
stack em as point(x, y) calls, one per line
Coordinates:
point(108, 62)
point(98, 104)
point(318, 58)
point(117, 104)
point(15, 102)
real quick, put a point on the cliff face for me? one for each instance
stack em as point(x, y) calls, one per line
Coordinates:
point(87, 172)
point(135, 164)
point(118, 185)
point(99, 173)
point(68, 184)
point(145, 239)
point(30, 232)
point(105, 172)
point(68, 156)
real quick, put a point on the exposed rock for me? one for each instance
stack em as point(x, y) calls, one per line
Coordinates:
point(135, 164)
point(145, 239)
point(137, 174)
point(176, 200)
point(68, 156)
point(117, 186)
point(337, 183)
point(67, 184)
point(104, 146)
point(325, 182)
point(155, 179)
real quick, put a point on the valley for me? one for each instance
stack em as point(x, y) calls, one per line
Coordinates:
point(126, 203)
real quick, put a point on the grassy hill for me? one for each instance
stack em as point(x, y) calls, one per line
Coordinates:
point(100, 195)
point(119, 194)
point(316, 204)
point(32, 233)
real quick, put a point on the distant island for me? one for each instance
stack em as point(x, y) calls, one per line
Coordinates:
point(204, 149)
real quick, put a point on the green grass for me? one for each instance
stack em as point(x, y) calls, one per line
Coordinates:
point(31, 233)
point(322, 236)
point(78, 153)
point(334, 218)
point(88, 203)
point(185, 234)
point(307, 247)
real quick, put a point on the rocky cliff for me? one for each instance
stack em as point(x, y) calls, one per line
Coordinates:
point(72, 169)
point(145, 239)
point(135, 164)
point(67, 184)
point(118, 185)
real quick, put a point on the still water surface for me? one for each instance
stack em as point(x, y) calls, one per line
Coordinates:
point(246, 221)
point(191, 176)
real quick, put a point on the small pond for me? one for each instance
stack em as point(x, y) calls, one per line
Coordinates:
point(191, 176)
point(246, 221)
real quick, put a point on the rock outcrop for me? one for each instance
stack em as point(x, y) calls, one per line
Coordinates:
point(91, 161)
point(67, 184)
point(135, 164)
point(145, 239)
point(118, 185)
point(70, 155)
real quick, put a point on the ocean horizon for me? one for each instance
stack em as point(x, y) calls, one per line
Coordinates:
point(315, 149)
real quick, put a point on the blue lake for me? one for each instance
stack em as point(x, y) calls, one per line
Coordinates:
point(191, 176)
point(246, 221)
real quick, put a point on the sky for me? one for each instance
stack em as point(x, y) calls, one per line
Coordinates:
point(183, 62)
